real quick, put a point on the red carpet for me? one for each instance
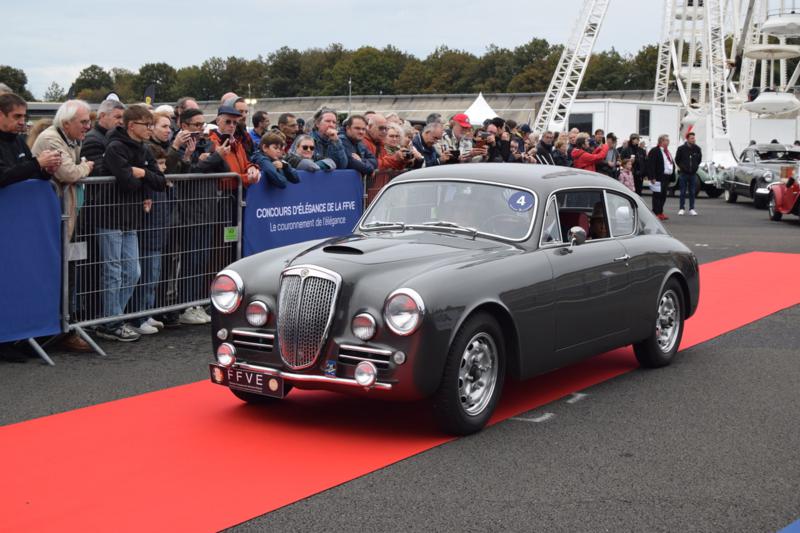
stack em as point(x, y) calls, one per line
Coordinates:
point(194, 458)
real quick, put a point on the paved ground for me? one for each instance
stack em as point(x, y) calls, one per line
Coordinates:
point(707, 444)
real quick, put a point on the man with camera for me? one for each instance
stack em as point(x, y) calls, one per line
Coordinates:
point(458, 141)
point(359, 158)
point(425, 142)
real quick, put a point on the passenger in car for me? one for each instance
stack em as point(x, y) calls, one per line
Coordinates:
point(598, 225)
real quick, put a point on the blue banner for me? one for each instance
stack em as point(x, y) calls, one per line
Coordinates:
point(324, 204)
point(30, 271)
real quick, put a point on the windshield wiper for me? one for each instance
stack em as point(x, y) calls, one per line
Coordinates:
point(447, 224)
point(381, 224)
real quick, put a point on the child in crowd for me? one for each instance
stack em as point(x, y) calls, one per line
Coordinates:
point(269, 157)
point(626, 174)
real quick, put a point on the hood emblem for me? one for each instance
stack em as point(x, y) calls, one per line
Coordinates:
point(304, 273)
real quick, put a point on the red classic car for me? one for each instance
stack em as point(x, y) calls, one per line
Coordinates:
point(784, 198)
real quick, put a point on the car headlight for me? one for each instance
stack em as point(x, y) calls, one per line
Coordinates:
point(363, 326)
point(226, 354)
point(768, 176)
point(403, 311)
point(226, 291)
point(257, 313)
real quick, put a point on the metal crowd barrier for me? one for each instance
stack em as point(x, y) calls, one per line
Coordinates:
point(133, 256)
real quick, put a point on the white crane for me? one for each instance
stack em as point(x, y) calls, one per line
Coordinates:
point(567, 79)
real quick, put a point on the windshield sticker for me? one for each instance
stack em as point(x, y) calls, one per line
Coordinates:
point(521, 201)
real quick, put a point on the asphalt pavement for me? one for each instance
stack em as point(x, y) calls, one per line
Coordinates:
point(709, 443)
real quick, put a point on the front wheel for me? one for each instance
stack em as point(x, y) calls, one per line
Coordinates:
point(257, 399)
point(730, 195)
point(774, 214)
point(662, 345)
point(473, 377)
point(713, 192)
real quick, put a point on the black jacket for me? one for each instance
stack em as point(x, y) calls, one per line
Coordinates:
point(639, 162)
point(544, 153)
point(560, 159)
point(93, 148)
point(655, 165)
point(688, 157)
point(123, 206)
point(16, 162)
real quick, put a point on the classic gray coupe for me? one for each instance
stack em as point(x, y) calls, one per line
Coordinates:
point(759, 166)
point(455, 279)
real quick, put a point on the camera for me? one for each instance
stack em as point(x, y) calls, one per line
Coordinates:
point(484, 134)
point(407, 154)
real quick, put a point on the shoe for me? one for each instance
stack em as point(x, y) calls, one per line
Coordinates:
point(681, 212)
point(202, 314)
point(155, 323)
point(693, 212)
point(170, 320)
point(123, 333)
point(74, 343)
point(662, 216)
point(190, 317)
point(145, 329)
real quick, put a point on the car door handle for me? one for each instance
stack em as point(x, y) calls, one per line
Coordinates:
point(625, 258)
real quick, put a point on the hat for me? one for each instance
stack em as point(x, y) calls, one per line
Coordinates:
point(525, 128)
point(228, 110)
point(462, 120)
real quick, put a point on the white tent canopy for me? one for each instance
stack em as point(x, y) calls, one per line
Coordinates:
point(479, 111)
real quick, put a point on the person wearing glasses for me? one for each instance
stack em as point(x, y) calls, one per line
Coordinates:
point(327, 146)
point(137, 176)
point(232, 149)
point(375, 141)
point(301, 155)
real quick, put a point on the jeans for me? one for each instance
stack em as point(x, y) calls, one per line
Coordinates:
point(119, 255)
point(144, 297)
point(687, 181)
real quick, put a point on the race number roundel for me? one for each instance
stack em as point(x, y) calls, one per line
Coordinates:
point(521, 201)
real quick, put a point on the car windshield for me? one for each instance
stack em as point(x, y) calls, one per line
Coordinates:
point(779, 155)
point(487, 209)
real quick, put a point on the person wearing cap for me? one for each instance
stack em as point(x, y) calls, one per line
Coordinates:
point(232, 149)
point(457, 140)
point(635, 152)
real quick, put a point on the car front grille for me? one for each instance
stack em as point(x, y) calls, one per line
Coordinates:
point(305, 311)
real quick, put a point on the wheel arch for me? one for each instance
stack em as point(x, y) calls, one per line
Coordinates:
point(678, 276)
point(508, 328)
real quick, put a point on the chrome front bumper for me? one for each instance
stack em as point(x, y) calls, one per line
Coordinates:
point(309, 378)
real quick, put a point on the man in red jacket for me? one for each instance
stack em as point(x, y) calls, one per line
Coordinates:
point(585, 160)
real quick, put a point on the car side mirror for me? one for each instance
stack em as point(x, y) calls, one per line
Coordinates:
point(577, 236)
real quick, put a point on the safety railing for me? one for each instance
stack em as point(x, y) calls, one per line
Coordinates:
point(130, 255)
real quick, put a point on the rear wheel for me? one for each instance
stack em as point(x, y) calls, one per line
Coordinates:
point(473, 377)
point(712, 191)
point(774, 214)
point(730, 195)
point(257, 399)
point(662, 345)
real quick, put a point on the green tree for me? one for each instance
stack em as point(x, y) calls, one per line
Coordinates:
point(415, 78)
point(92, 77)
point(283, 69)
point(497, 68)
point(452, 71)
point(642, 68)
point(316, 65)
point(124, 84)
point(372, 71)
point(192, 81)
point(607, 70)
point(160, 75)
point(536, 75)
point(55, 93)
point(16, 79)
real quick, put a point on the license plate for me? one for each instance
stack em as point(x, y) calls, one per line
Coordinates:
point(248, 381)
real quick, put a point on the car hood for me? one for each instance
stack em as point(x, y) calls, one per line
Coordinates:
point(414, 250)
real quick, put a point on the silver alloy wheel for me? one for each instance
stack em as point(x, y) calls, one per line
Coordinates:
point(771, 205)
point(727, 194)
point(477, 373)
point(668, 321)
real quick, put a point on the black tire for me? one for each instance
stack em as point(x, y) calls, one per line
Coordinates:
point(713, 192)
point(654, 352)
point(479, 334)
point(730, 195)
point(257, 399)
point(774, 214)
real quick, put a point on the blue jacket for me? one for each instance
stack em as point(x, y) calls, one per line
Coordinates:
point(429, 153)
point(368, 162)
point(255, 136)
point(327, 149)
point(273, 176)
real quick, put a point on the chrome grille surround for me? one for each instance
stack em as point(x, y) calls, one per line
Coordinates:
point(306, 305)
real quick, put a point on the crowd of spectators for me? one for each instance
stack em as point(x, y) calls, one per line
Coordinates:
point(140, 147)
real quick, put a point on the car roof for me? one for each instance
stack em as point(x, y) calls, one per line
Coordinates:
point(774, 147)
point(542, 179)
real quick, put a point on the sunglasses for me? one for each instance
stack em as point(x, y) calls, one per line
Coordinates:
point(196, 124)
point(383, 128)
point(306, 148)
point(229, 121)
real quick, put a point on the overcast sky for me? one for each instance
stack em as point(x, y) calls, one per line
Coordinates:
point(51, 43)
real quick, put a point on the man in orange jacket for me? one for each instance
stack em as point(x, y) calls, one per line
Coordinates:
point(232, 150)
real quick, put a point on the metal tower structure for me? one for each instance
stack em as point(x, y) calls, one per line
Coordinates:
point(567, 79)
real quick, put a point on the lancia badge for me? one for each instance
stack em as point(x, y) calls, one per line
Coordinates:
point(304, 273)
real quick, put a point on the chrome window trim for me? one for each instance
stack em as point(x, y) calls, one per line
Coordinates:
point(534, 209)
point(606, 194)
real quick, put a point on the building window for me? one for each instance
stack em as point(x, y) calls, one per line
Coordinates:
point(582, 121)
point(644, 122)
